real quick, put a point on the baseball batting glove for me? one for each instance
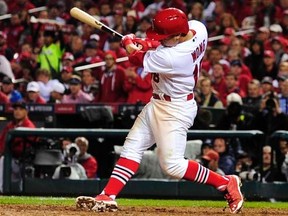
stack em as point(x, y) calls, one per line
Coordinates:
point(127, 39)
point(146, 43)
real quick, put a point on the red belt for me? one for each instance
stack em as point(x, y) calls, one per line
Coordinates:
point(168, 98)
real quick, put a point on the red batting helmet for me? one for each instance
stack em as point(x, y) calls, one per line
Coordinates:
point(167, 22)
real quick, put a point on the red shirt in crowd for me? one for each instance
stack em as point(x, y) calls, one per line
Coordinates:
point(139, 88)
point(18, 143)
point(4, 98)
point(15, 6)
point(90, 165)
point(111, 86)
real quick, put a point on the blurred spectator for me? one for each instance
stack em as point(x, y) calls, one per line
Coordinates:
point(131, 24)
point(20, 5)
point(119, 21)
point(228, 22)
point(145, 23)
point(235, 118)
point(284, 23)
point(212, 28)
point(33, 93)
point(263, 34)
point(226, 160)
point(238, 46)
point(21, 147)
point(89, 83)
point(5, 50)
point(57, 93)
point(152, 8)
point(67, 59)
point(206, 146)
point(275, 30)
point(85, 159)
point(268, 13)
point(66, 75)
point(270, 67)
point(8, 89)
point(91, 54)
point(138, 85)
point(283, 96)
point(3, 98)
point(95, 38)
point(283, 69)
point(20, 119)
point(214, 56)
point(105, 12)
point(14, 31)
point(251, 103)
point(76, 94)
point(207, 97)
point(284, 158)
point(45, 82)
point(231, 86)
point(269, 118)
point(195, 11)
point(111, 78)
point(270, 172)
point(284, 168)
point(255, 59)
point(135, 6)
point(245, 168)
point(267, 85)
point(224, 46)
point(243, 76)
point(55, 11)
point(86, 32)
point(114, 44)
point(218, 80)
point(281, 150)
point(51, 52)
point(180, 4)
point(77, 48)
point(278, 45)
point(210, 159)
point(219, 10)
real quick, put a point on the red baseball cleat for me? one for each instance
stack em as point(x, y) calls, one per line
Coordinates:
point(233, 194)
point(101, 203)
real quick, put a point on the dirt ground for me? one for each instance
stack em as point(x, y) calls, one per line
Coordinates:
point(48, 210)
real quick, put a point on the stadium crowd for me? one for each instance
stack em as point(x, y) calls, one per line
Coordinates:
point(245, 70)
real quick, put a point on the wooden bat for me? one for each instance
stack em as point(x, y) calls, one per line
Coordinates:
point(92, 21)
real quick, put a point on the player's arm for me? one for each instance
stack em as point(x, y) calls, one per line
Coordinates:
point(137, 47)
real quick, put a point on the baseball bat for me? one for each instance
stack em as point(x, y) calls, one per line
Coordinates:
point(92, 21)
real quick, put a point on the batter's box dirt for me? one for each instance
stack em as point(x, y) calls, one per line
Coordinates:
point(52, 210)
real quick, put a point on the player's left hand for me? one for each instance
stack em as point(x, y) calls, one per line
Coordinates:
point(127, 39)
point(145, 43)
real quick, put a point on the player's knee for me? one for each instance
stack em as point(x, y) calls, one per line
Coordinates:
point(173, 168)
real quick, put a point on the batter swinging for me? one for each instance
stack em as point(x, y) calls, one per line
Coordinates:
point(172, 52)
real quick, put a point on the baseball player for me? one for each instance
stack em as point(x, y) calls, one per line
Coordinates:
point(172, 53)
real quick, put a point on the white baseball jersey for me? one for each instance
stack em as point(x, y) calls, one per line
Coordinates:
point(166, 122)
point(176, 69)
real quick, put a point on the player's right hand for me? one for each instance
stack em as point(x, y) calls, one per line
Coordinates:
point(127, 39)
